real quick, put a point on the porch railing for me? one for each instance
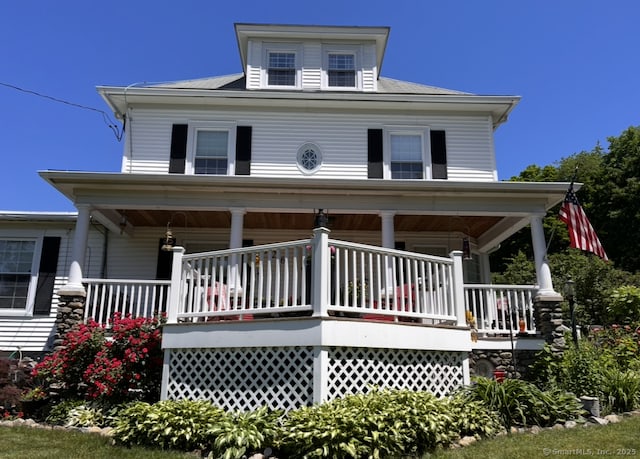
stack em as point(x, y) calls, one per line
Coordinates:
point(138, 298)
point(320, 277)
point(499, 309)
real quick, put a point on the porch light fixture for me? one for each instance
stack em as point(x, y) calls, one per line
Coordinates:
point(570, 295)
point(321, 219)
point(169, 240)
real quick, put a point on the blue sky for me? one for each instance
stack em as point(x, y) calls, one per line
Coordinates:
point(574, 62)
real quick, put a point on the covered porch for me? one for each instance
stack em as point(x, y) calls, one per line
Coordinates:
point(376, 296)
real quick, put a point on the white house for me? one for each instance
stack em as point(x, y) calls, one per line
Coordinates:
point(212, 218)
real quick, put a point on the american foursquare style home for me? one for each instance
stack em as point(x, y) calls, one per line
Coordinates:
point(309, 228)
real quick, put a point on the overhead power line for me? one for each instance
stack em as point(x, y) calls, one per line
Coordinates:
point(105, 116)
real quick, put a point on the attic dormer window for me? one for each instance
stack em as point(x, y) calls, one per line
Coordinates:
point(341, 67)
point(341, 70)
point(281, 66)
point(282, 69)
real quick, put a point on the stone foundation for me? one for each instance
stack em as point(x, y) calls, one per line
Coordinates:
point(70, 313)
point(548, 318)
point(484, 362)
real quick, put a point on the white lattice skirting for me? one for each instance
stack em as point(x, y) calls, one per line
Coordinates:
point(289, 377)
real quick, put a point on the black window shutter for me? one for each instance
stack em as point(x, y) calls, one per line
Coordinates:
point(438, 155)
point(46, 275)
point(374, 152)
point(243, 150)
point(178, 154)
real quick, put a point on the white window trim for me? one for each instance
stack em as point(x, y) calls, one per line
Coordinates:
point(194, 127)
point(355, 51)
point(33, 282)
point(423, 132)
point(294, 48)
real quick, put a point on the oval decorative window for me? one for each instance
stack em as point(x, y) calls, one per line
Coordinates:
point(309, 158)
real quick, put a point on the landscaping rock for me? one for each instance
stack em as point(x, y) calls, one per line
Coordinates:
point(612, 418)
point(599, 421)
point(570, 424)
point(557, 427)
point(535, 430)
point(466, 441)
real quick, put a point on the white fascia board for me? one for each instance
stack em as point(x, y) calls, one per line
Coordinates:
point(32, 216)
point(499, 107)
point(315, 332)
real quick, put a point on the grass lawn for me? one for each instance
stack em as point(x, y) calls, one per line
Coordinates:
point(618, 440)
point(27, 442)
point(614, 440)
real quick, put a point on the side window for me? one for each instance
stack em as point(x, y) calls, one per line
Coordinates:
point(406, 156)
point(211, 155)
point(16, 272)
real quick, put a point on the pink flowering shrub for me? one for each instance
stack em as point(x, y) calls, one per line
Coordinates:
point(112, 365)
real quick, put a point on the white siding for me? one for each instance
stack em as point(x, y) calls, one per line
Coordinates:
point(34, 334)
point(369, 70)
point(311, 67)
point(134, 257)
point(277, 135)
point(254, 64)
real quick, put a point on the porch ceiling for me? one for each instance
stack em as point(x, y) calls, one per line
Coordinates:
point(474, 226)
point(489, 212)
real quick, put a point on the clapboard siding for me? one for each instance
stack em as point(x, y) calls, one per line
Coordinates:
point(369, 70)
point(34, 334)
point(254, 63)
point(277, 135)
point(311, 68)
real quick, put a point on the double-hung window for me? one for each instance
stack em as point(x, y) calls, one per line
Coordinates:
point(341, 70)
point(341, 67)
point(281, 69)
point(211, 155)
point(406, 153)
point(211, 148)
point(282, 64)
point(17, 270)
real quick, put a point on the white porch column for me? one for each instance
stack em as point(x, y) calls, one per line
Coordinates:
point(235, 242)
point(388, 232)
point(543, 272)
point(74, 285)
point(458, 288)
point(388, 242)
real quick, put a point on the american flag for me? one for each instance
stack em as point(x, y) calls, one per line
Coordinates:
point(581, 233)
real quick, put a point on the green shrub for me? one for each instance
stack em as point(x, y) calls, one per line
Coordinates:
point(238, 434)
point(621, 389)
point(624, 304)
point(181, 425)
point(60, 412)
point(382, 423)
point(471, 417)
point(520, 403)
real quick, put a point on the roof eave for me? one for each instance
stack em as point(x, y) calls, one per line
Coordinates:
point(499, 106)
